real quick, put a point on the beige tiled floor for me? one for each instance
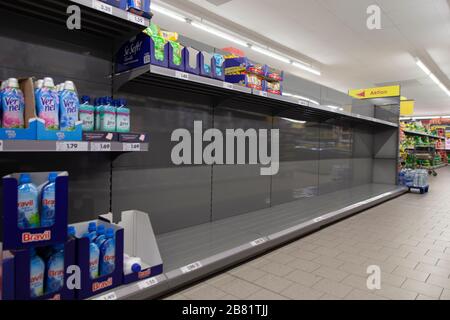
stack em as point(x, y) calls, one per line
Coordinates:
point(408, 238)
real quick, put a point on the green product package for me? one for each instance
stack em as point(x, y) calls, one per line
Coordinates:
point(177, 51)
point(159, 47)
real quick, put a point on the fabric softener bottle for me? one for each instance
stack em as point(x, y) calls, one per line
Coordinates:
point(27, 203)
point(68, 107)
point(13, 105)
point(47, 104)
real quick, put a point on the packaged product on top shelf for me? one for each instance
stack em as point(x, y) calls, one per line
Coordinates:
point(192, 60)
point(87, 114)
point(218, 66)
point(34, 209)
point(121, 4)
point(69, 107)
point(206, 64)
point(273, 74)
point(140, 7)
point(274, 87)
point(244, 72)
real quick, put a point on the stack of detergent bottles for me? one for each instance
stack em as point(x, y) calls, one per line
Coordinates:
point(35, 232)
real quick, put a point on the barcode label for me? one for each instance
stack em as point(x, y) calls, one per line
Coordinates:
point(191, 267)
point(108, 296)
point(131, 147)
point(147, 59)
point(257, 242)
point(71, 146)
point(182, 75)
point(1, 145)
point(227, 85)
point(136, 19)
point(103, 7)
point(101, 146)
point(147, 283)
point(262, 93)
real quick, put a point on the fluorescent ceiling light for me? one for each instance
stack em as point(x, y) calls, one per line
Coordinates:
point(167, 12)
point(432, 76)
point(294, 121)
point(306, 68)
point(271, 54)
point(219, 33)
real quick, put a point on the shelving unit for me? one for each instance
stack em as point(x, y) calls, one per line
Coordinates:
point(205, 218)
point(422, 134)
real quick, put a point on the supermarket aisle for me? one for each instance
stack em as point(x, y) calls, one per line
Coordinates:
point(408, 238)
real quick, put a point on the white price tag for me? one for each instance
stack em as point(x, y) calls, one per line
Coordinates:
point(147, 283)
point(101, 146)
point(182, 75)
point(131, 147)
point(263, 94)
point(108, 296)
point(228, 85)
point(303, 103)
point(191, 267)
point(71, 146)
point(136, 19)
point(101, 6)
point(1, 145)
point(257, 242)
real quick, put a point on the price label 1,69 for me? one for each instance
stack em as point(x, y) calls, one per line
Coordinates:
point(70, 146)
point(101, 6)
point(131, 147)
point(101, 146)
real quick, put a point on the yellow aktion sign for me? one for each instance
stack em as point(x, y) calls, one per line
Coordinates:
point(371, 93)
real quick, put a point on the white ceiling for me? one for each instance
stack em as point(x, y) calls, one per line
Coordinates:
point(332, 35)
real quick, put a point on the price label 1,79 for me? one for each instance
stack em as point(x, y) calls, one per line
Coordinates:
point(71, 146)
point(103, 7)
point(101, 146)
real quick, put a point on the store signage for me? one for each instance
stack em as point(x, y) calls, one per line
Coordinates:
point(147, 283)
point(131, 147)
point(407, 107)
point(371, 93)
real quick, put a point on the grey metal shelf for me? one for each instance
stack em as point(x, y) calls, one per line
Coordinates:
point(70, 146)
point(196, 252)
point(98, 18)
point(258, 100)
point(423, 134)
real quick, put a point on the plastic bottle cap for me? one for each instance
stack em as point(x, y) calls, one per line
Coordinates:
point(13, 83)
point(71, 231)
point(69, 85)
point(52, 177)
point(101, 229)
point(92, 227)
point(85, 99)
point(24, 178)
point(48, 82)
point(110, 233)
point(136, 268)
point(39, 84)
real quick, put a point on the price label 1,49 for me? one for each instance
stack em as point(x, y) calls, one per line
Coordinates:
point(136, 19)
point(191, 267)
point(131, 147)
point(108, 296)
point(103, 7)
point(101, 146)
point(147, 283)
point(70, 146)
point(182, 75)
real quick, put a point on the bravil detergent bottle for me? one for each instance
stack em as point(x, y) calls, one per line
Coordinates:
point(55, 270)
point(27, 203)
point(100, 235)
point(47, 104)
point(94, 256)
point(108, 254)
point(37, 270)
point(48, 201)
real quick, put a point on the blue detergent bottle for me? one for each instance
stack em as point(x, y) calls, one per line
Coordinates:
point(108, 254)
point(100, 235)
point(37, 271)
point(55, 270)
point(71, 233)
point(27, 203)
point(68, 107)
point(92, 228)
point(94, 256)
point(48, 202)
